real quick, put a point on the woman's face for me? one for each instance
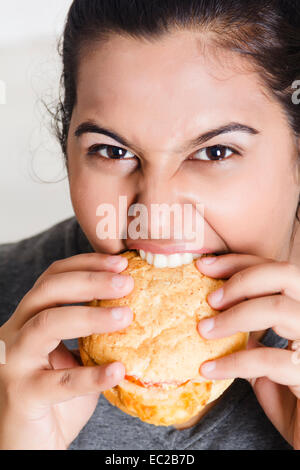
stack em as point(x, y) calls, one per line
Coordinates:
point(159, 97)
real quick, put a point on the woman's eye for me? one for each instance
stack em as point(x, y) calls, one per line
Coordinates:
point(110, 152)
point(217, 152)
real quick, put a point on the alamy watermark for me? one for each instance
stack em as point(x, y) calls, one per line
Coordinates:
point(296, 94)
point(163, 221)
point(2, 352)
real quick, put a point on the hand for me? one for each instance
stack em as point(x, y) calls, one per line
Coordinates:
point(46, 395)
point(260, 294)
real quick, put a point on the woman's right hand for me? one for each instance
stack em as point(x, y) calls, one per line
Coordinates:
point(46, 395)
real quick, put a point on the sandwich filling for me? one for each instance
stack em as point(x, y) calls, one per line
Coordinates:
point(162, 385)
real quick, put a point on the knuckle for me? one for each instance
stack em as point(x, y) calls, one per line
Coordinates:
point(231, 314)
point(43, 283)
point(91, 256)
point(97, 376)
point(39, 280)
point(276, 302)
point(53, 266)
point(65, 378)
point(238, 277)
point(291, 268)
point(233, 361)
point(92, 315)
point(92, 277)
point(236, 361)
point(40, 322)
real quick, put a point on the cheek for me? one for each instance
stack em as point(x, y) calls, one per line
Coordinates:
point(88, 191)
point(257, 209)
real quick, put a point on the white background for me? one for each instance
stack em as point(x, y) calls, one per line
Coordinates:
point(30, 68)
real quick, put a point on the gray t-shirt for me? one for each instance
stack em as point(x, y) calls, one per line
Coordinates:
point(237, 421)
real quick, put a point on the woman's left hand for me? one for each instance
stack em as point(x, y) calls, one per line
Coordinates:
point(259, 294)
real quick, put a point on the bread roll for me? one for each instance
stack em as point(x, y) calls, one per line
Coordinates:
point(162, 349)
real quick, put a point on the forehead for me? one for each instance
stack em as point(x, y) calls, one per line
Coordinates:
point(173, 81)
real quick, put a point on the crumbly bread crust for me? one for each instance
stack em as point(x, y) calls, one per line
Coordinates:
point(162, 344)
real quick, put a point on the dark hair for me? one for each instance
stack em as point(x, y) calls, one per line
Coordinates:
point(267, 32)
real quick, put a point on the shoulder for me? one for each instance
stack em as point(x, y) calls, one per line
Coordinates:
point(22, 262)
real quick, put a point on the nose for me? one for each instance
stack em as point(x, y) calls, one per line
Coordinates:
point(157, 188)
point(163, 210)
point(153, 190)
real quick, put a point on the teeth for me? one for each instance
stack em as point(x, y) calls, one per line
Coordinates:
point(160, 261)
point(168, 261)
point(174, 260)
point(149, 257)
point(187, 258)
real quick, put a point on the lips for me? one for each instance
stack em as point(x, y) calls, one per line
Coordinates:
point(167, 249)
point(167, 256)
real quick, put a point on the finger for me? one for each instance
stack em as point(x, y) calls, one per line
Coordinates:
point(49, 387)
point(278, 403)
point(258, 280)
point(77, 286)
point(224, 266)
point(41, 334)
point(271, 395)
point(276, 364)
point(278, 312)
point(88, 262)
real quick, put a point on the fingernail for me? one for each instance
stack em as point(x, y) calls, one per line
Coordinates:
point(119, 280)
point(216, 297)
point(208, 367)
point(117, 313)
point(205, 326)
point(208, 259)
point(112, 369)
point(114, 259)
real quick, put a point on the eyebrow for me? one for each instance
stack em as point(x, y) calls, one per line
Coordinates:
point(92, 127)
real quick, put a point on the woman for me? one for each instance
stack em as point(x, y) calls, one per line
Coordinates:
point(170, 102)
